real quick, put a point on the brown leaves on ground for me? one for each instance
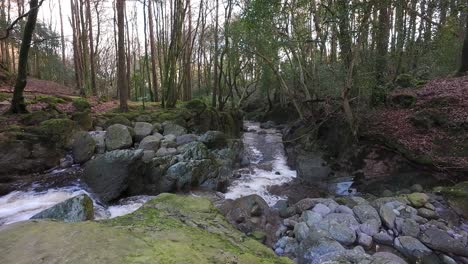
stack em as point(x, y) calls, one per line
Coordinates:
point(446, 144)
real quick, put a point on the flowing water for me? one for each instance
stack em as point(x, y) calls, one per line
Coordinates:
point(268, 164)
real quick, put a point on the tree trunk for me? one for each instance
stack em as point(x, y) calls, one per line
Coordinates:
point(92, 57)
point(464, 58)
point(121, 67)
point(152, 40)
point(216, 59)
point(382, 42)
point(62, 39)
point(17, 104)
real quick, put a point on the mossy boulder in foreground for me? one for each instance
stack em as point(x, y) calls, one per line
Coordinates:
point(168, 229)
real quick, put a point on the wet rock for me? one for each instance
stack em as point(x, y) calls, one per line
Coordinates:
point(316, 245)
point(194, 151)
point(344, 210)
point(142, 130)
point(411, 247)
point(366, 212)
point(440, 240)
point(83, 147)
point(118, 137)
point(338, 231)
point(387, 215)
point(108, 174)
point(150, 143)
point(148, 156)
point(418, 199)
point(185, 139)
point(214, 139)
point(267, 125)
point(76, 209)
point(66, 162)
point(173, 129)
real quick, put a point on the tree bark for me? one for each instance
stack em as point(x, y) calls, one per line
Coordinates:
point(121, 67)
point(17, 104)
point(152, 40)
point(464, 57)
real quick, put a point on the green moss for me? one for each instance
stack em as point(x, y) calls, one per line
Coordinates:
point(168, 229)
point(56, 131)
point(405, 80)
point(196, 106)
point(5, 97)
point(81, 104)
point(457, 197)
point(36, 117)
point(84, 120)
point(118, 119)
point(429, 118)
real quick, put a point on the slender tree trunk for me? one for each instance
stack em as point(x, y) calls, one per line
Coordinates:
point(121, 67)
point(188, 57)
point(17, 104)
point(62, 39)
point(382, 42)
point(92, 57)
point(154, 72)
point(464, 57)
point(216, 59)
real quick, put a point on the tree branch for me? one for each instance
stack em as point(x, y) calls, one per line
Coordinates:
point(13, 24)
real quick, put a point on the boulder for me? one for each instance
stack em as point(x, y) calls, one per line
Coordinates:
point(194, 151)
point(366, 212)
point(407, 227)
point(214, 139)
point(185, 139)
point(84, 120)
point(311, 218)
point(164, 152)
point(440, 240)
point(174, 129)
point(370, 227)
point(418, 199)
point(387, 215)
point(316, 245)
point(411, 247)
point(387, 258)
point(83, 147)
point(118, 137)
point(144, 118)
point(76, 209)
point(427, 213)
point(321, 209)
point(108, 174)
point(364, 240)
point(338, 231)
point(311, 168)
point(301, 231)
point(167, 229)
point(356, 255)
point(150, 143)
point(383, 238)
point(142, 130)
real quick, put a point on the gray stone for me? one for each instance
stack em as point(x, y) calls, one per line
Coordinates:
point(344, 210)
point(345, 219)
point(356, 255)
point(301, 231)
point(148, 156)
point(370, 227)
point(364, 240)
point(339, 231)
point(174, 129)
point(157, 128)
point(447, 260)
point(311, 218)
point(407, 227)
point(169, 141)
point(387, 215)
point(417, 188)
point(163, 152)
point(76, 209)
point(366, 212)
point(214, 139)
point(150, 143)
point(142, 130)
point(108, 174)
point(309, 203)
point(100, 139)
point(158, 135)
point(83, 147)
point(411, 247)
point(427, 213)
point(387, 258)
point(321, 209)
point(440, 240)
point(118, 137)
point(383, 238)
point(144, 118)
point(316, 245)
point(194, 151)
point(185, 139)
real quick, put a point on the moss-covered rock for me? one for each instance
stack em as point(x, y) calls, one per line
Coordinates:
point(118, 119)
point(83, 119)
point(457, 197)
point(81, 104)
point(57, 131)
point(404, 100)
point(168, 229)
point(196, 106)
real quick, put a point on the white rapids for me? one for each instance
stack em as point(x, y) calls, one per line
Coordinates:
point(268, 164)
point(20, 206)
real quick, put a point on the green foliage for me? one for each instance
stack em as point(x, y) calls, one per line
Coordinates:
point(81, 104)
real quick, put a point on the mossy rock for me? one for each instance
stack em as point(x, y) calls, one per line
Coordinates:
point(5, 97)
point(405, 80)
point(168, 229)
point(404, 100)
point(36, 117)
point(429, 118)
point(57, 131)
point(81, 104)
point(457, 197)
point(118, 119)
point(196, 106)
point(83, 119)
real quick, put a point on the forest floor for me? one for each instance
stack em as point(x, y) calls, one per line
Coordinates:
point(432, 122)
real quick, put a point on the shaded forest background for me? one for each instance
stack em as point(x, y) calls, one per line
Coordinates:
point(228, 52)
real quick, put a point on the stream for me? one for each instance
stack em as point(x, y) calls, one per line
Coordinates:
point(263, 148)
